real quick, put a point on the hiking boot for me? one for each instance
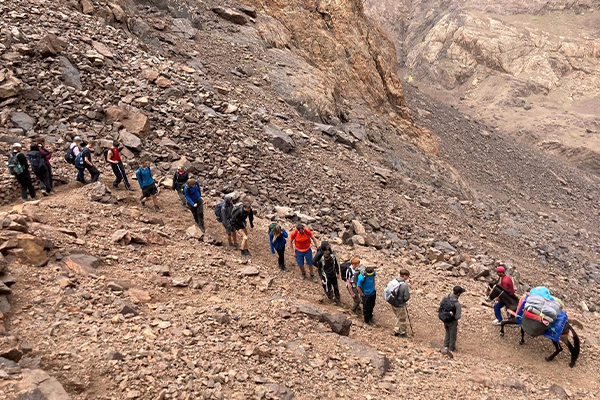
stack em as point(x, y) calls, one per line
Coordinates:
point(130, 189)
point(303, 277)
point(400, 335)
point(143, 204)
point(313, 278)
point(496, 322)
point(281, 267)
point(44, 193)
point(337, 302)
point(157, 209)
point(248, 253)
point(373, 324)
point(115, 186)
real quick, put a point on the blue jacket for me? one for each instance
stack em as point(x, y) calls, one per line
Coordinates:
point(366, 283)
point(144, 177)
point(192, 194)
point(279, 243)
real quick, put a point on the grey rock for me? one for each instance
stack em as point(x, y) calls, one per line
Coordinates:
point(338, 323)
point(130, 140)
point(126, 308)
point(4, 290)
point(70, 74)
point(248, 11)
point(444, 246)
point(114, 355)
point(231, 15)
point(22, 120)
point(38, 385)
point(361, 350)
point(559, 392)
point(280, 139)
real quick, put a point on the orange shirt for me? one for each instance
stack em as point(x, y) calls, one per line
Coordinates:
point(302, 239)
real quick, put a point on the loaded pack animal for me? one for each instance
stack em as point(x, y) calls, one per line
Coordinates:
point(495, 291)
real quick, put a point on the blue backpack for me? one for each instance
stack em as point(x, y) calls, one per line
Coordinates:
point(79, 159)
point(218, 208)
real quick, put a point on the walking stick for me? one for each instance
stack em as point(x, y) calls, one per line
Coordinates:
point(409, 323)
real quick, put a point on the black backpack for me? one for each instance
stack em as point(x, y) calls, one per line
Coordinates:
point(105, 154)
point(218, 208)
point(70, 156)
point(13, 164)
point(447, 310)
point(36, 160)
point(344, 267)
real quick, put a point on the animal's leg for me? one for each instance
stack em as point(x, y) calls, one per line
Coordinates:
point(558, 350)
point(522, 342)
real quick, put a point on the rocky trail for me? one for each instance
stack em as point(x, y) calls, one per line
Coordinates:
point(298, 106)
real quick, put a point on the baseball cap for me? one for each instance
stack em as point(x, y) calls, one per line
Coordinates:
point(458, 290)
point(501, 269)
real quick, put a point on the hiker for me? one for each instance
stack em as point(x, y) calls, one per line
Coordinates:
point(180, 178)
point(193, 196)
point(47, 155)
point(19, 167)
point(83, 161)
point(351, 280)
point(449, 313)
point(238, 224)
point(325, 246)
point(38, 166)
point(277, 236)
point(506, 283)
point(72, 152)
point(366, 288)
point(113, 156)
point(300, 241)
point(146, 182)
point(329, 272)
point(398, 294)
point(223, 212)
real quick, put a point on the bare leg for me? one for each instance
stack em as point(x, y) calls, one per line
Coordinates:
point(155, 201)
point(244, 234)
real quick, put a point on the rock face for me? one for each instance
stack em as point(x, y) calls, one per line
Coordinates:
point(9, 85)
point(37, 384)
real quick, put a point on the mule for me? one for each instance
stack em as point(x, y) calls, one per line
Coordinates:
point(511, 302)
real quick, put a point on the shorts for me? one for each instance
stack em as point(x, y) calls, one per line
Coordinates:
point(301, 256)
point(150, 190)
point(228, 229)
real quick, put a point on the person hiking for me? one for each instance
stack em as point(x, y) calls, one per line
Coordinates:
point(38, 166)
point(300, 241)
point(449, 313)
point(83, 161)
point(113, 156)
point(329, 272)
point(47, 155)
point(351, 280)
point(506, 283)
point(224, 211)
point(180, 178)
point(366, 288)
point(19, 167)
point(397, 294)
point(146, 182)
point(72, 152)
point(277, 241)
point(238, 224)
point(193, 196)
point(325, 246)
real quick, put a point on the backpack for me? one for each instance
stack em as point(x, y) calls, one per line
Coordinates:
point(13, 164)
point(218, 208)
point(70, 156)
point(447, 310)
point(391, 292)
point(344, 267)
point(79, 161)
point(105, 154)
point(36, 160)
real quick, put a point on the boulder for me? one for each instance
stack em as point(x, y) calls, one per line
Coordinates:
point(38, 385)
point(361, 350)
point(70, 74)
point(4, 290)
point(249, 271)
point(102, 49)
point(338, 323)
point(163, 82)
point(230, 15)
point(50, 45)
point(358, 240)
point(22, 120)
point(87, 7)
point(9, 85)
point(280, 139)
point(132, 119)
point(194, 232)
point(445, 247)
point(83, 264)
point(284, 212)
point(118, 12)
point(359, 229)
point(130, 140)
point(4, 305)
point(434, 255)
point(250, 11)
point(33, 248)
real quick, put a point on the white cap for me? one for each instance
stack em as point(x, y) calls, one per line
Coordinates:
point(77, 139)
point(17, 145)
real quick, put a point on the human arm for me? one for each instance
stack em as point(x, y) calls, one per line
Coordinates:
point(251, 218)
point(87, 158)
point(186, 191)
point(174, 181)
point(271, 243)
point(457, 310)
point(312, 237)
point(337, 268)
point(138, 175)
point(359, 285)
point(406, 293)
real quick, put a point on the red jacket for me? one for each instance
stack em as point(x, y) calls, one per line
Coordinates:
point(507, 283)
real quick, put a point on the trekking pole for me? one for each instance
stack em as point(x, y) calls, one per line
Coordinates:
point(409, 323)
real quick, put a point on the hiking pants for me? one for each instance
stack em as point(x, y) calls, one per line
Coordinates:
point(43, 177)
point(368, 306)
point(451, 332)
point(179, 188)
point(400, 313)
point(198, 213)
point(355, 300)
point(95, 174)
point(119, 171)
point(498, 310)
point(50, 176)
point(281, 256)
point(80, 175)
point(24, 180)
point(331, 288)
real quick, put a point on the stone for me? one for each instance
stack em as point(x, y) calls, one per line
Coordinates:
point(9, 85)
point(434, 255)
point(359, 229)
point(150, 74)
point(113, 355)
point(358, 240)
point(194, 232)
point(130, 141)
point(280, 139)
point(358, 349)
point(161, 270)
point(87, 7)
point(163, 82)
point(230, 15)
point(22, 120)
point(126, 308)
point(13, 354)
point(38, 385)
point(132, 119)
point(249, 271)
point(445, 247)
point(279, 392)
point(102, 49)
point(82, 264)
point(33, 248)
point(4, 290)
point(250, 11)
point(181, 282)
point(559, 392)
point(338, 323)
point(50, 45)
point(284, 212)
point(118, 12)
point(70, 74)
point(4, 305)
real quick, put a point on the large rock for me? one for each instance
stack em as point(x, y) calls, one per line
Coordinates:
point(359, 229)
point(22, 120)
point(361, 350)
point(338, 323)
point(50, 45)
point(33, 248)
point(102, 49)
point(9, 85)
point(70, 74)
point(38, 385)
point(83, 264)
point(231, 15)
point(131, 118)
point(280, 139)
point(4, 290)
point(130, 140)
